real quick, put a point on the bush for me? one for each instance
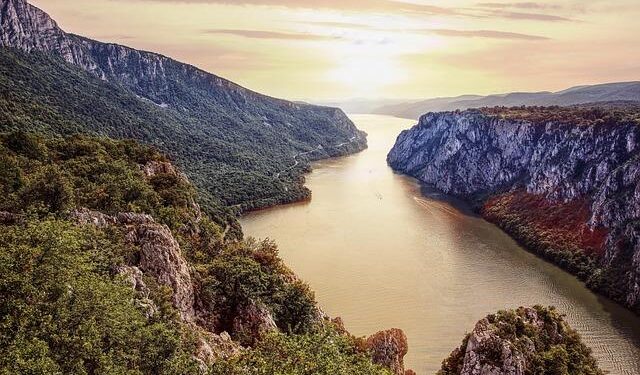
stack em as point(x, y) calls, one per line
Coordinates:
point(62, 311)
point(323, 352)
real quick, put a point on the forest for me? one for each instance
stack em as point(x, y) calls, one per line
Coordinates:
point(237, 157)
point(68, 308)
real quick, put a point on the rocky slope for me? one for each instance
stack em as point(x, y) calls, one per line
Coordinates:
point(109, 265)
point(562, 181)
point(224, 136)
point(518, 342)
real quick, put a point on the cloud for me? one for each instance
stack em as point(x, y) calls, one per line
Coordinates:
point(481, 10)
point(529, 16)
point(344, 5)
point(493, 34)
point(520, 5)
point(261, 34)
point(341, 25)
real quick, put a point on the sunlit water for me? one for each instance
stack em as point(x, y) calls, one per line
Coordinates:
point(380, 254)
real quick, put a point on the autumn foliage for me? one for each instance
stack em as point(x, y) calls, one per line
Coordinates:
point(554, 229)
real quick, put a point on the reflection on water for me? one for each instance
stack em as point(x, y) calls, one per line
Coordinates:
point(381, 254)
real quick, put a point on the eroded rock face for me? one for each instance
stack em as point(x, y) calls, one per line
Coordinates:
point(473, 155)
point(388, 349)
point(505, 344)
point(487, 353)
point(252, 322)
point(134, 276)
point(467, 153)
point(160, 255)
point(154, 168)
point(212, 347)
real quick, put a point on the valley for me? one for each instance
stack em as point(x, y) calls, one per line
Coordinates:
point(157, 218)
point(398, 256)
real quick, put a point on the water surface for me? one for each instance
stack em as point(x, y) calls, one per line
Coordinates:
point(381, 254)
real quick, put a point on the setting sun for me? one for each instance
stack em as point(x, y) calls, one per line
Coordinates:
point(378, 48)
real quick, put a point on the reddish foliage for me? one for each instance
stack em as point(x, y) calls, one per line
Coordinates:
point(548, 223)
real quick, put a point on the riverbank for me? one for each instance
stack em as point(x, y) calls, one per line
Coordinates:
point(379, 253)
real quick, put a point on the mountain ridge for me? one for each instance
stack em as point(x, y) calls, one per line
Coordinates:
point(582, 94)
point(231, 141)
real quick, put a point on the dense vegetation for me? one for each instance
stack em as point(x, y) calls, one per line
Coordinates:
point(232, 149)
point(68, 310)
point(323, 352)
point(557, 231)
point(608, 114)
point(64, 313)
point(548, 344)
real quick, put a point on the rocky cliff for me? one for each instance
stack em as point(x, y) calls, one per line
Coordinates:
point(518, 342)
point(562, 181)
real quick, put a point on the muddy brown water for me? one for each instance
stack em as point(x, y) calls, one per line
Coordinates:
point(381, 253)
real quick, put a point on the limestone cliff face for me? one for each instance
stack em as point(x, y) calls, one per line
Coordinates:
point(519, 342)
point(160, 256)
point(476, 155)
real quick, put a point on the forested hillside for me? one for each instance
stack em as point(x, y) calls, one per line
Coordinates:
point(109, 266)
point(236, 145)
point(232, 165)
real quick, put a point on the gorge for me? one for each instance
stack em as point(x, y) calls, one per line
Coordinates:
point(564, 181)
point(403, 257)
point(124, 175)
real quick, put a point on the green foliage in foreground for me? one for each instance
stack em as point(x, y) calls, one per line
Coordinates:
point(65, 309)
point(51, 175)
point(63, 313)
point(551, 349)
point(251, 271)
point(324, 352)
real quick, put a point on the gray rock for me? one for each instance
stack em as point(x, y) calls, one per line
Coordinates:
point(252, 322)
point(160, 255)
point(473, 155)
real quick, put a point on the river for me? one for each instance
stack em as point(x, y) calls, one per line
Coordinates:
point(381, 254)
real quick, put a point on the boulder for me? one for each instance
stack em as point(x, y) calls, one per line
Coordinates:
point(252, 322)
point(388, 349)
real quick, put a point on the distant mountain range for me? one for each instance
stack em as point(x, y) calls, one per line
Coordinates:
point(607, 92)
point(233, 143)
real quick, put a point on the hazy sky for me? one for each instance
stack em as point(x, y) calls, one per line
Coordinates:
point(336, 49)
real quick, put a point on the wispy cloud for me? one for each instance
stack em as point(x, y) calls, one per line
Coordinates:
point(520, 5)
point(341, 25)
point(528, 16)
point(261, 34)
point(357, 5)
point(493, 34)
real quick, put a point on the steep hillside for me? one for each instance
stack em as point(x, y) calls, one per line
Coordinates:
point(607, 92)
point(563, 181)
point(523, 341)
point(109, 266)
point(237, 146)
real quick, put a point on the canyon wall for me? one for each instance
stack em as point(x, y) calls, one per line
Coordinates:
point(562, 181)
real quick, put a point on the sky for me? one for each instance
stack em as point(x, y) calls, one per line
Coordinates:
point(411, 49)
